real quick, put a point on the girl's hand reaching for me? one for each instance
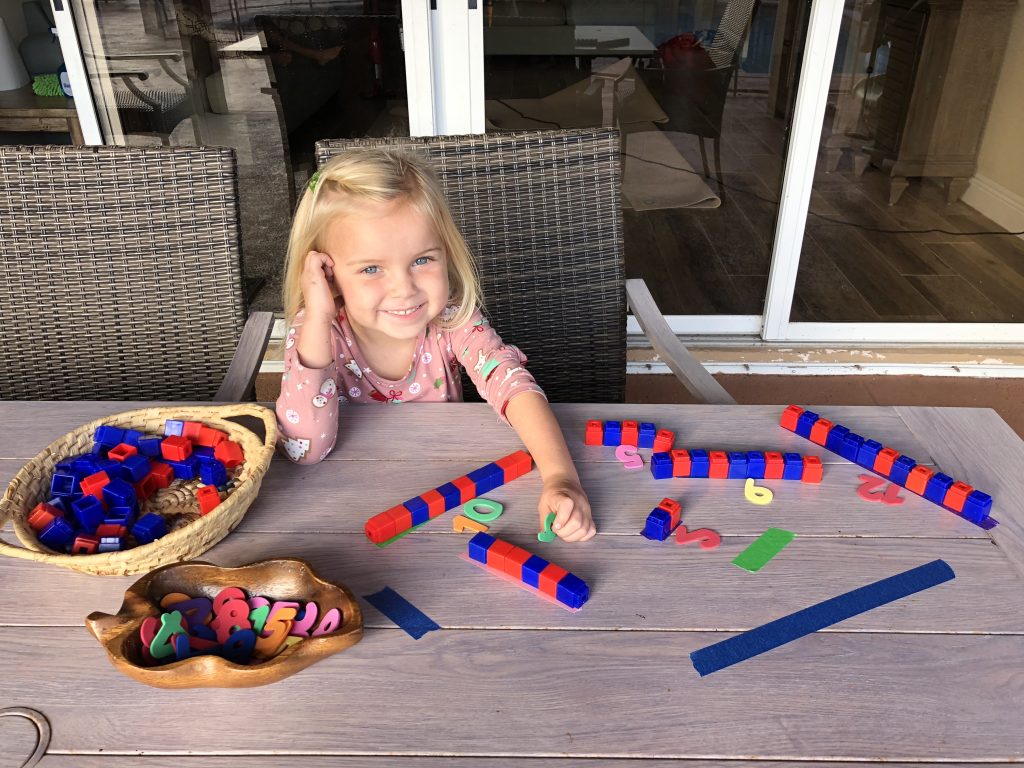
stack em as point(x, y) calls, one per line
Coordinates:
point(318, 287)
point(567, 499)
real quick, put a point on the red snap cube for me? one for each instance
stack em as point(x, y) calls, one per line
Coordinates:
point(918, 479)
point(674, 508)
point(594, 434)
point(719, 465)
point(209, 437)
point(42, 515)
point(208, 498)
point(812, 470)
point(85, 545)
point(93, 484)
point(680, 462)
point(467, 488)
point(663, 440)
point(630, 433)
point(549, 578)
point(773, 465)
point(435, 502)
point(380, 528)
point(146, 487)
point(162, 474)
point(514, 562)
point(402, 517)
point(525, 463)
point(496, 554)
point(884, 460)
point(820, 430)
point(956, 496)
point(190, 430)
point(111, 530)
point(229, 453)
point(122, 451)
point(790, 417)
point(509, 466)
point(176, 448)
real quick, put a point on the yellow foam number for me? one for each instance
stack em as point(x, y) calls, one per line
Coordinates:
point(470, 507)
point(757, 494)
point(461, 524)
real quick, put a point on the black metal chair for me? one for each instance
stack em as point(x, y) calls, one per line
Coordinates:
point(121, 276)
point(541, 213)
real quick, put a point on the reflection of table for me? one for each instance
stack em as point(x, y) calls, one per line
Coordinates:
point(565, 40)
point(930, 678)
point(23, 110)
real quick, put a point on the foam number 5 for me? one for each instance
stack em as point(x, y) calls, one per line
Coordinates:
point(470, 507)
point(707, 538)
point(276, 631)
point(629, 457)
point(757, 494)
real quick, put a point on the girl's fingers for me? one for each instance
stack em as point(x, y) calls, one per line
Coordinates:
point(562, 505)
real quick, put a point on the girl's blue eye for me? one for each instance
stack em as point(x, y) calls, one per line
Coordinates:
point(421, 261)
point(371, 270)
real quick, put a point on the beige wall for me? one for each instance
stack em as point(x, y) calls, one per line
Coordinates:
point(1002, 151)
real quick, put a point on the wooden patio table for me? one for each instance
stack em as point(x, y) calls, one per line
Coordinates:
point(934, 678)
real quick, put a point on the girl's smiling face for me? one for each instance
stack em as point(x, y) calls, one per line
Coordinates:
point(390, 268)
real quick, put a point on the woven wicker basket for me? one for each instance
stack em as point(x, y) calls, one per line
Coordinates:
point(31, 485)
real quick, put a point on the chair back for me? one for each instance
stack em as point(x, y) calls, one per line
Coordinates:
point(120, 272)
point(732, 29)
point(541, 214)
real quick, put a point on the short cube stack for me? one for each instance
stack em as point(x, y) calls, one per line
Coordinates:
point(941, 489)
point(662, 520)
point(392, 522)
point(533, 571)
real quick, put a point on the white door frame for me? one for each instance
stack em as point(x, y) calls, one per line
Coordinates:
point(71, 50)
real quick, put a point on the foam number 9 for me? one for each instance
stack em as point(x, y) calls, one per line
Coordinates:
point(470, 507)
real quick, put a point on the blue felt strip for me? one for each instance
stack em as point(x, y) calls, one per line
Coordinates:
point(781, 631)
point(402, 612)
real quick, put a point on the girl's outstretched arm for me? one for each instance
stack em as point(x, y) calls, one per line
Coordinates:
point(531, 416)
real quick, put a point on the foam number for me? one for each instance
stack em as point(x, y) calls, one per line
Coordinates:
point(547, 534)
point(258, 602)
point(305, 621)
point(470, 507)
point(629, 457)
point(330, 622)
point(757, 494)
point(274, 633)
point(239, 647)
point(870, 490)
point(162, 645)
point(147, 631)
point(225, 595)
point(234, 614)
point(258, 617)
point(461, 523)
point(707, 538)
point(197, 612)
point(172, 598)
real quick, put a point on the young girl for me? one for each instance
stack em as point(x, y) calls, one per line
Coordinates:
point(381, 297)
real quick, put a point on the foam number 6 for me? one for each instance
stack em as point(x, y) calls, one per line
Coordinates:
point(234, 614)
point(469, 510)
point(226, 594)
point(629, 457)
point(707, 538)
point(757, 494)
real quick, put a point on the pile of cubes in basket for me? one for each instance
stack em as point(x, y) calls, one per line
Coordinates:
point(667, 462)
point(96, 498)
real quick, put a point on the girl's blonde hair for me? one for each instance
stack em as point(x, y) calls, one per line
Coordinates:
point(378, 174)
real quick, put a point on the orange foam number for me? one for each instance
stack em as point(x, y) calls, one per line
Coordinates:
point(332, 620)
point(629, 457)
point(707, 538)
point(276, 629)
point(870, 490)
point(461, 523)
point(232, 615)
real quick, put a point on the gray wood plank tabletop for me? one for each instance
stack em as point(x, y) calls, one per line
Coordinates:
point(512, 680)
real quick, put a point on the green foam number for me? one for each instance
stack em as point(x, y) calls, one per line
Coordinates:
point(469, 510)
point(547, 534)
point(258, 617)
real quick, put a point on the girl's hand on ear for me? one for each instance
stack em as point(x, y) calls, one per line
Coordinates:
point(318, 286)
point(567, 499)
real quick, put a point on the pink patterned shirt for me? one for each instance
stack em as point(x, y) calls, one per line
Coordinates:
point(307, 408)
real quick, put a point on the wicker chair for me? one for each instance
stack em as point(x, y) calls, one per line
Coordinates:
point(120, 276)
point(540, 211)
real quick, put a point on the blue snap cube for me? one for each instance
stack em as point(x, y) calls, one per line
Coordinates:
point(645, 438)
point(62, 504)
point(88, 512)
point(658, 525)
point(64, 466)
point(173, 427)
point(805, 423)
point(452, 495)
point(132, 437)
point(868, 452)
point(531, 570)
point(110, 466)
point(836, 436)
point(900, 469)
point(203, 451)
point(737, 465)
point(977, 507)
point(420, 510)
point(84, 466)
point(936, 489)
point(58, 535)
point(487, 478)
point(612, 434)
point(478, 546)
point(700, 463)
point(212, 472)
point(572, 591)
point(64, 485)
point(755, 464)
point(137, 467)
point(118, 493)
point(149, 528)
point(185, 470)
point(108, 436)
point(851, 446)
point(150, 446)
point(792, 466)
point(661, 465)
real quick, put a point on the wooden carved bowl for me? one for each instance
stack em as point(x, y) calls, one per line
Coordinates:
point(282, 579)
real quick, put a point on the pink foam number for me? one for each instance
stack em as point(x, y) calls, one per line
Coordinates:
point(331, 622)
point(225, 595)
point(258, 602)
point(707, 538)
point(304, 623)
point(629, 457)
point(870, 490)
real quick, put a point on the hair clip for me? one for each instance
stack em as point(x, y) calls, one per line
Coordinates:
point(313, 181)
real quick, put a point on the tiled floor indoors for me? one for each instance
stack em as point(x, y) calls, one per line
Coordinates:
point(1006, 396)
